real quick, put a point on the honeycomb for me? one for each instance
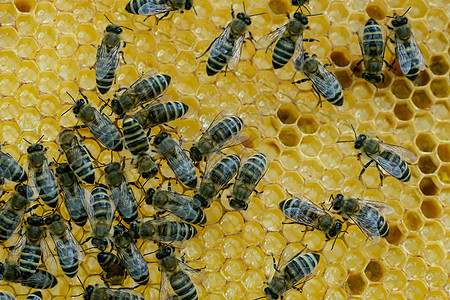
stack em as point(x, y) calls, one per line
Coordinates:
point(48, 48)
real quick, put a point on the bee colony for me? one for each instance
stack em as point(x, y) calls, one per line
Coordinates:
point(48, 54)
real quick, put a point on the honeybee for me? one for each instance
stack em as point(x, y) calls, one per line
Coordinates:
point(162, 231)
point(251, 172)
point(155, 7)
point(177, 159)
point(223, 132)
point(131, 256)
point(372, 40)
point(215, 179)
point(108, 53)
point(393, 159)
point(160, 113)
point(290, 272)
point(67, 247)
point(289, 40)
point(368, 215)
point(6, 296)
point(41, 179)
point(174, 273)
point(12, 212)
point(73, 195)
point(113, 268)
point(136, 140)
point(32, 247)
point(76, 155)
point(146, 165)
point(98, 123)
point(407, 51)
point(304, 211)
point(97, 292)
point(121, 194)
point(11, 169)
point(35, 296)
point(10, 272)
point(324, 82)
point(180, 205)
point(227, 47)
point(147, 88)
point(101, 213)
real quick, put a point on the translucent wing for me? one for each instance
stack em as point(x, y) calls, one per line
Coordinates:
point(98, 126)
point(164, 289)
point(68, 252)
point(381, 207)
point(134, 260)
point(79, 197)
point(289, 254)
point(178, 204)
point(154, 7)
point(47, 257)
point(389, 166)
point(298, 63)
point(180, 162)
point(6, 160)
point(39, 278)
point(402, 152)
point(138, 92)
point(116, 194)
point(325, 82)
point(270, 38)
point(236, 140)
point(118, 293)
point(14, 255)
point(222, 115)
point(87, 203)
point(32, 188)
point(106, 60)
point(405, 57)
point(236, 53)
point(298, 54)
point(127, 200)
point(218, 44)
point(13, 222)
point(194, 274)
point(296, 214)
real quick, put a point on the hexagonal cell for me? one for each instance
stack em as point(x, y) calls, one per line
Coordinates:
point(26, 24)
point(401, 88)
point(289, 136)
point(439, 65)
point(339, 36)
point(443, 152)
point(27, 71)
point(363, 90)
point(431, 208)
point(288, 113)
point(423, 79)
point(377, 9)
point(356, 284)
point(341, 56)
point(9, 37)
point(428, 164)
point(28, 95)
point(444, 174)
point(397, 233)
point(424, 121)
point(404, 111)
point(375, 270)
point(45, 12)
point(66, 45)
point(440, 87)
point(413, 220)
point(425, 142)
point(429, 186)
point(310, 146)
point(345, 78)
point(437, 41)
point(422, 99)
point(395, 280)
point(308, 124)
point(24, 5)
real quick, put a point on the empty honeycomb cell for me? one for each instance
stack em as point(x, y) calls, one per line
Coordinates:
point(395, 280)
point(288, 113)
point(252, 233)
point(422, 99)
point(413, 220)
point(439, 64)
point(345, 79)
point(375, 270)
point(429, 186)
point(271, 147)
point(437, 41)
point(356, 284)
point(67, 68)
point(308, 124)
point(377, 9)
point(440, 87)
point(415, 268)
point(397, 233)
point(215, 281)
point(433, 231)
point(403, 111)
point(385, 121)
point(425, 142)
point(434, 253)
point(443, 151)
point(332, 179)
point(330, 157)
point(424, 121)
point(401, 88)
point(428, 164)
point(279, 7)
point(254, 280)
point(9, 131)
point(384, 100)
point(431, 208)
point(416, 289)
point(274, 171)
point(289, 136)
point(442, 129)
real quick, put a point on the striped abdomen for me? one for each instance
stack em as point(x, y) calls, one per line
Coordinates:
point(373, 39)
point(181, 164)
point(13, 169)
point(8, 224)
point(172, 231)
point(225, 130)
point(101, 206)
point(160, 113)
point(136, 140)
point(382, 224)
point(106, 132)
point(134, 5)
point(113, 268)
point(183, 286)
point(6, 296)
point(192, 215)
point(40, 280)
point(35, 296)
point(301, 266)
point(104, 84)
point(415, 65)
point(68, 258)
point(282, 52)
point(294, 207)
point(219, 57)
point(81, 164)
point(48, 188)
point(151, 87)
point(224, 170)
point(29, 259)
point(128, 209)
point(253, 169)
point(394, 157)
point(335, 89)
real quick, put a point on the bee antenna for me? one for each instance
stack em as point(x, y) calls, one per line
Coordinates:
point(243, 4)
point(334, 241)
point(193, 7)
point(406, 11)
point(263, 297)
point(108, 19)
point(353, 130)
point(314, 15)
point(39, 139)
point(27, 141)
point(258, 14)
point(126, 28)
point(70, 96)
point(82, 285)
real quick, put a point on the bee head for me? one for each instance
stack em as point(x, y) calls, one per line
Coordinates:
point(78, 105)
point(269, 294)
point(152, 173)
point(244, 17)
point(164, 251)
point(88, 292)
point(114, 166)
point(116, 107)
point(160, 137)
point(238, 205)
point(21, 189)
point(35, 148)
point(35, 220)
point(114, 28)
point(337, 202)
point(149, 196)
point(189, 4)
point(399, 21)
point(100, 244)
point(373, 78)
point(203, 202)
point(334, 232)
point(52, 218)
point(360, 141)
point(301, 17)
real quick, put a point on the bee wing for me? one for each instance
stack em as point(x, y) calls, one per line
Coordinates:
point(127, 199)
point(298, 216)
point(82, 196)
point(288, 254)
point(48, 258)
point(134, 260)
point(37, 279)
point(298, 54)
point(236, 53)
point(106, 60)
point(6, 158)
point(389, 166)
point(116, 194)
point(180, 160)
point(298, 62)
point(236, 140)
point(32, 187)
point(87, 202)
point(194, 274)
point(217, 45)
point(324, 82)
point(137, 91)
point(222, 114)
point(154, 7)
point(405, 57)
point(15, 222)
point(403, 152)
point(14, 255)
point(270, 38)
point(164, 289)
point(97, 127)
point(179, 202)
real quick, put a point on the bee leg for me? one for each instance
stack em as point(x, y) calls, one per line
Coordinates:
point(389, 27)
point(387, 64)
point(159, 19)
point(318, 95)
point(381, 174)
point(232, 11)
point(123, 57)
point(359, 156)
point(289, 223)
point(357, 65)
point(364, 169)
point(275, 267)
point(79, 127)
point(301, 80)
point(310, 40)
point(207, 49)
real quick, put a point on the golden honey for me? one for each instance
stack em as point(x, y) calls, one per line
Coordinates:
point(49, 48)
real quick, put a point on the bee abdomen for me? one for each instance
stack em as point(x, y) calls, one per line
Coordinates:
point(282, 53)
point(183, 286)
point(35, 296)
point(105, 83)
point(7, 221)
point(226, 129)
point(196, 216)
point(136, 140)
point(6, 296)
point(46, 280)
point(302, 266)
point(218, 59)
point(101, 203)
point(253, 169)
point(68, 261)
point(83, 167)
point(177, 231)
point(156, 85)
point(383, 226)
point(29, 259)
point(226, 168)
point(48, 189)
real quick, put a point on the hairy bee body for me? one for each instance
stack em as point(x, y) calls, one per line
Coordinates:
point(108, 58)
point(295, 271)
point(41, 279)
point(177, 159)
point(76, 155)
point(144, 90)
point(154, 7)
point(251, 172)
point(305, 212)
point(35, 296)
point(121, 194)
point(181, 206)
point(216, 136)
point(102, 213)
point(31, 253)
point(41, 177)
point(160, 113)
point(217, 178)
point(11, 169)
point(12, 212)
point(136, 140)
point(113, 268)
point(162, 231)
point(99, 124)
point(73, 195)
point(131, 256)
point(96, 292)
point(145, 165)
